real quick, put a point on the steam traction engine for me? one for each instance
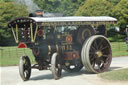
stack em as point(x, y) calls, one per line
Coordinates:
point(67, 43)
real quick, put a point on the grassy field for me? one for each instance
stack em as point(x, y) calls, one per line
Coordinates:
point(117, 75)
point(119, 49)
point(11, 55)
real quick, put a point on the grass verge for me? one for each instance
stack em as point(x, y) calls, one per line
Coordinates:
point(116, 75)
point(119, 49)
point(11, 55)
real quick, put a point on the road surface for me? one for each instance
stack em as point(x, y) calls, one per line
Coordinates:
point(10, 76)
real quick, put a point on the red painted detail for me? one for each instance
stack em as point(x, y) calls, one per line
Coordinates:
point(71, 55)
point(40, 33)
point(22, 45)
point(69, 39)
point(74, 55)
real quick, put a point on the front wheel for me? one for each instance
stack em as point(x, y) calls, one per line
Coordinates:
point(25, 68)
point(56, 66)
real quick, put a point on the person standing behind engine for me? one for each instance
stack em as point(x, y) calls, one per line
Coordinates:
point(126, 39)
point(126, 30)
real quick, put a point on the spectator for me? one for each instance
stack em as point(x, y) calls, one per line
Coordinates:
point(126, 30)
point(126, 39)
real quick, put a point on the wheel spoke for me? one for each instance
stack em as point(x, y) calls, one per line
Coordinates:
point(92, 53)
point(104, 48)
point(100, 44)
point(105, 55)
point(101, 40)
point(93, 63)
point(95, 45)
point(92, 58)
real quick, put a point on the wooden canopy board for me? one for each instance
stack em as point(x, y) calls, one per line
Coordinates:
point(60, 21)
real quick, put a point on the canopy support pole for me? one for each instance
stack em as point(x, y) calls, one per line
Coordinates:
point(17, 33)
point(35, 32)
point(32, 40)
point(14, 34)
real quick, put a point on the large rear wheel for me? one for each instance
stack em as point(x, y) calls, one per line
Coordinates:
point(96, 54)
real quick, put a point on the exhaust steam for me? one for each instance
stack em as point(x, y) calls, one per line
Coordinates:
point(31, 6)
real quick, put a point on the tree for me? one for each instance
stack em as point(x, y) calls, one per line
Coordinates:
point(6, 0)
point(67, 7)
point(95, 8)
point(120, 11)
point(9, 11)
point(114, 2)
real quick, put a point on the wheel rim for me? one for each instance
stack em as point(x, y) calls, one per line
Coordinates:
point(98, 56)
point(25, 68)
point(56, 66)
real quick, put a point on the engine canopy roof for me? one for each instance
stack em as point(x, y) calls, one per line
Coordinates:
point(70, 20)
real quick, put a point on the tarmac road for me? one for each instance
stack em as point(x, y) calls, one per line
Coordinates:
point(10, 76)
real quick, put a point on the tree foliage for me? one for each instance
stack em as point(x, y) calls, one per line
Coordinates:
point(120, 11)
point(114, 2)
point(9, 11)
point(95, 8)
point(6, 0)
point(67, 7)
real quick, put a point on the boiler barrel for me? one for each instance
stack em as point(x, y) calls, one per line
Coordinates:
point(44, 50)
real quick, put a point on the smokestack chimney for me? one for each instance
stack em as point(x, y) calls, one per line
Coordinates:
point(37, 13)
